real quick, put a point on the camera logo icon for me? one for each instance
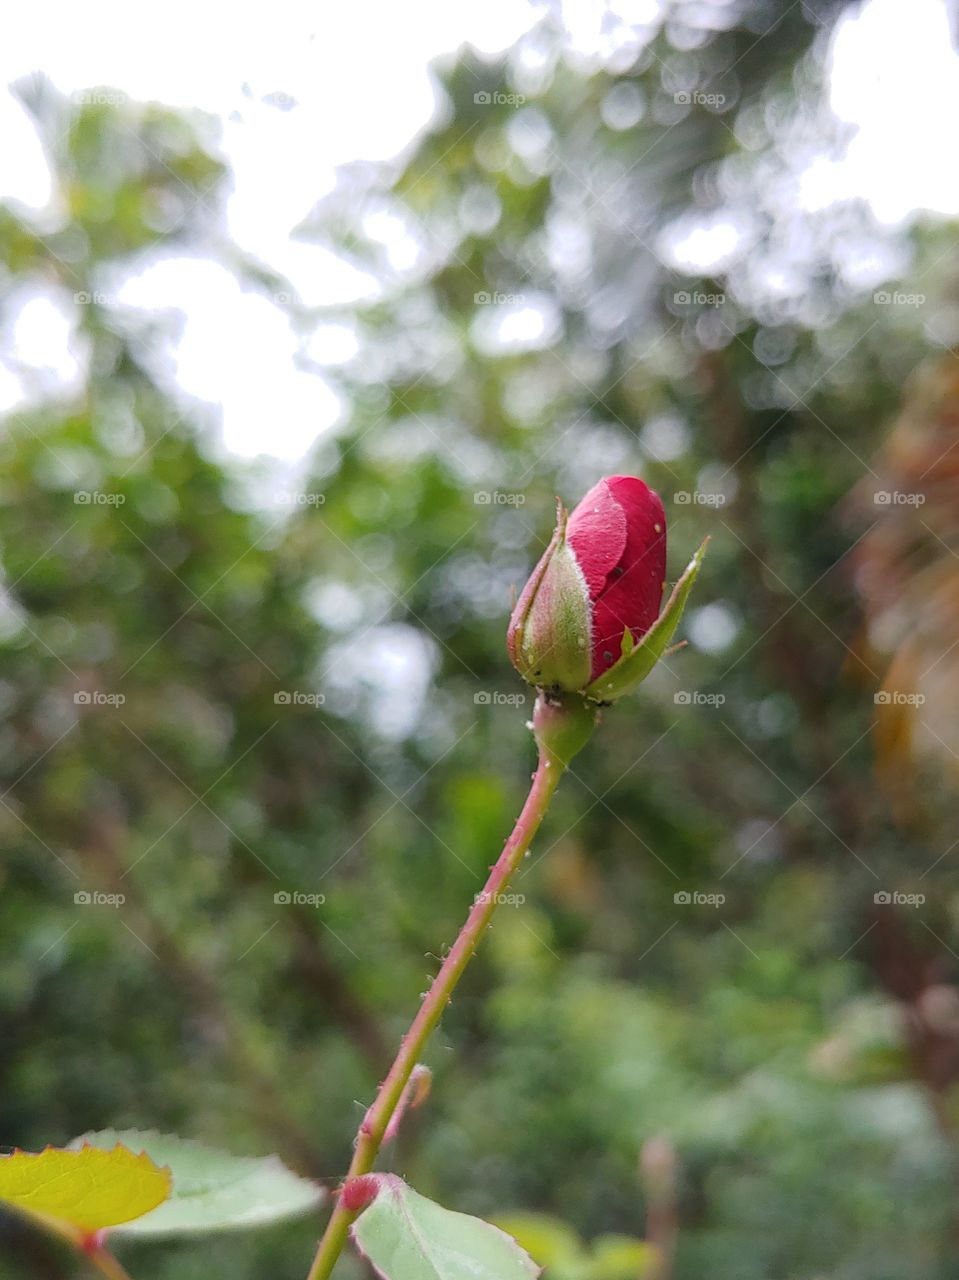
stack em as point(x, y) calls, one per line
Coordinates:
point(283, 698)
point(682, 499)
point(82, 898)
point(882, 298)
point(683, 698)
point(482, 498)
point(282, 898)
point(682, 99)
point(482, 99)
point(683, 898)
point(482, 699)
point(882, 899)
point(83, 497)
point(82, 698)
point(482, 299)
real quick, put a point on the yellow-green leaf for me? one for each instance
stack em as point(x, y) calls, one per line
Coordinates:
point(212, 1190)
point(80, 1192)
point(548, 1240)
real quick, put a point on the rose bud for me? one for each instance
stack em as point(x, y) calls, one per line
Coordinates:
point(588, 620)
point(618, 535)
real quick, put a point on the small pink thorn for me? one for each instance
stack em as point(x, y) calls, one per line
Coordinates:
point(359, 1192)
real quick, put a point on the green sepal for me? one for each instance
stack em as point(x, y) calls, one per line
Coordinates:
point(549, 633)
point(562, 725)
point(638, 659)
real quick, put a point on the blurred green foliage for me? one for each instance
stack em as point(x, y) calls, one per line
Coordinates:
point(785, 1040)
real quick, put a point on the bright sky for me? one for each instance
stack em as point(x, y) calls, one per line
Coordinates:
point(359, 76)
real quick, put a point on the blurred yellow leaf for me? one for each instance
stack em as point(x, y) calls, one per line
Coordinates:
point(79, 1192)
point(907, 575)
point(622, 1258)
point(546, 1239)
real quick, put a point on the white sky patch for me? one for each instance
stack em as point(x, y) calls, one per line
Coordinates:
point(12, 394)
point(316, 87)
point(713, 628)
point(389, 672)
point(528, 323)
point(665, 438)
point(39, 344)
point(24, 172)
point(233, 348)
point(332, 344)
point(895, 75)
point(700, 244)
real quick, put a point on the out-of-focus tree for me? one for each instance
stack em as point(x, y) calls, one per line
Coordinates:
point(541, 321)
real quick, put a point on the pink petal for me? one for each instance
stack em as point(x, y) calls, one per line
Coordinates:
point(632, 595)
point(597, 534)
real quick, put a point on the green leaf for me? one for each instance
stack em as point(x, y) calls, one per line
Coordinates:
point(83, 1190)
point(212, 1191)
point(407, 1237)
point(635, 665)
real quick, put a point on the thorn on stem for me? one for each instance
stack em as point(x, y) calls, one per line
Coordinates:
point(359, 1192)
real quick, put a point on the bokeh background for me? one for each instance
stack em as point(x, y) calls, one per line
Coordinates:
point(300, 335)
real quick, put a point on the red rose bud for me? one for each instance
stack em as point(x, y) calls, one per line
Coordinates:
point(589, 618)
point(618, 535)
point(597, 589)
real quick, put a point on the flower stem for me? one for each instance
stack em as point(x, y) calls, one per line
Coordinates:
point(370, 1136)
point(107, 1265)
